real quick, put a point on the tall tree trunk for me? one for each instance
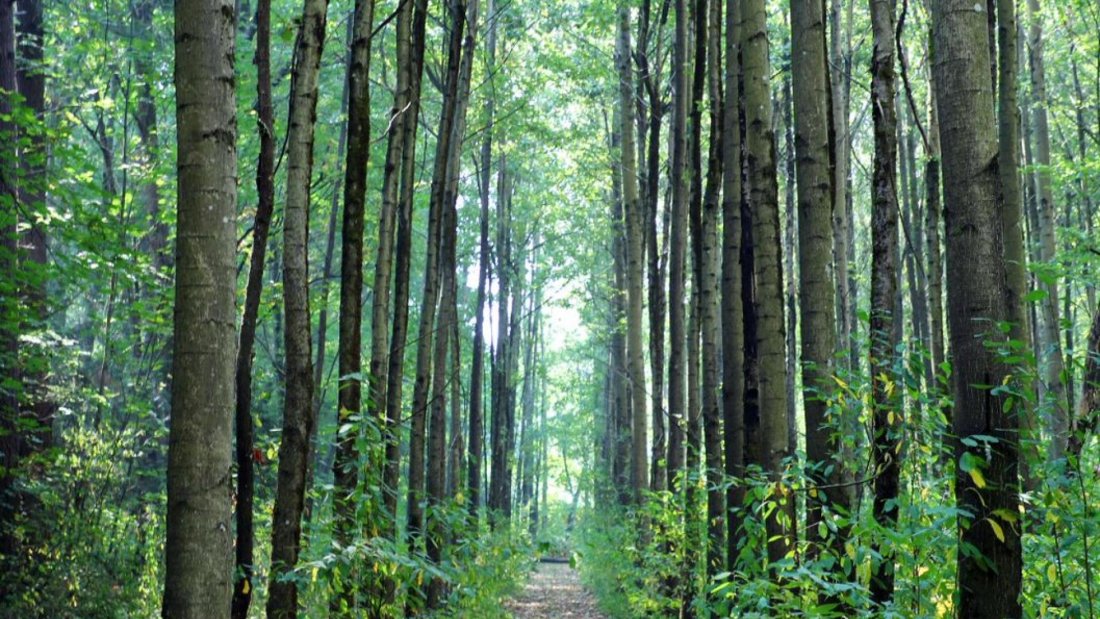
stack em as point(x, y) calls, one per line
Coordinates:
point(500, 504)
point(840, 54)
point(784, 109)
point(733, 336)
point(986, 483)
point(450, 199)
point(887, 415)
point(395, 373)
point(677, 252)
point(422, 386)
point(1051, 360)
point(265, 191)
point(298, 419)
point(1012, 202)
point(345, 471)
point(633, 214)
point(198, 564)
point(650, 80)
point(477, 364)
point(709, 297)
point(763, 193)
point(814, 151)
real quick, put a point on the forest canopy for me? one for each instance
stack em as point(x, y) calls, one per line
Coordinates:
point(380, 308)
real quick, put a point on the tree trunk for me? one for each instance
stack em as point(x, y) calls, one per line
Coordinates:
point(395, 373)
point(988, 579)
point(430, 296)
point(634, 215)
point(763, 193)
point(887, 415)
point(1050, 355)
point(198, 567)
point(298, 419)
point(265, 190)
point(650, 82)
point(733, 336)
point(1012, 204)
point(677, 252)
point(814, 151)
point(349, 397)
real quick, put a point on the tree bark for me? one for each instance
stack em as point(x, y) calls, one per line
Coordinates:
point(633, 214)
point(814, 152)
point(265, 191)
point(733, 336)
point(198, 557)
point(763, 195)
point(299, 422)
point(989, 579)
point(1052, 363)
point(887, 417)
point(345, 471)
point(677, 252)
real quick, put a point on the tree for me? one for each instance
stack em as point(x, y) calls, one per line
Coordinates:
point(633, 214)
point(1050, 353)
point(265, 207)
point(986, 483)
point(298, 414)
point(884, 287)
point(733, 336)
point(763, 198)
point(198, 557)
point(350, 397)
point(814, 156)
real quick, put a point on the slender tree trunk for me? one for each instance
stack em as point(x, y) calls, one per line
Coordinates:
point(432, 285)
point(677, 239)
point(650, 79)
point(840, 58)
point(299, 422)
point(198, 564)
point(1012, 204)
point(265, 190)
point(345, 471)
point(634, 215)
point(500, 503)
point(709, 297)
point(783, 109)
point(814, 151)
point(733, 336)
point(395, 374)
point(986, 483)
point(763, 194)
point(1051, 360)
point(884, 285)
point(477, 364)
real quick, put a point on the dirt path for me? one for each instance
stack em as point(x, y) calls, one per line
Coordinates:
point(554, 590)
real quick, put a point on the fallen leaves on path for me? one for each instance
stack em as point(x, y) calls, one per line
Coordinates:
point(554, 591)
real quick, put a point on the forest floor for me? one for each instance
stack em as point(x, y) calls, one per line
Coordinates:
point(554, 590)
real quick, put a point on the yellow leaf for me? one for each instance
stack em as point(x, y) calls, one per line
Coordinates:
point(976, 475)
point(313, 576)
point(246, 586)
point(890, 418)
point(997, 530)
point(851, 550)
point(1052, 572)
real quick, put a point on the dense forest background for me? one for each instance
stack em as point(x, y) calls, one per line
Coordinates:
point(357, 308)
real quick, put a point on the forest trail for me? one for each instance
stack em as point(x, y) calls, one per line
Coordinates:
point(554, 590)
